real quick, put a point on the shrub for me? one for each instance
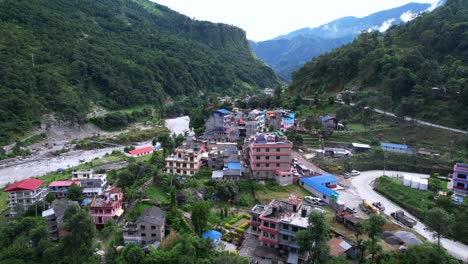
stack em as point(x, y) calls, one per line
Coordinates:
point(240, 230)
point(227, 225)
point(244, 225)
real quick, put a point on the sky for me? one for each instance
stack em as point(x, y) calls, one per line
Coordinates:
point(266, 19)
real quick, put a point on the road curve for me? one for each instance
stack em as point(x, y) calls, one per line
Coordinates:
point(363, 186)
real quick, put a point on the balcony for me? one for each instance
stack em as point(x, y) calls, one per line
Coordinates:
point(268, 240)
point(288, 243)
point(287, 232)
point(268, 230)
point(255, 223)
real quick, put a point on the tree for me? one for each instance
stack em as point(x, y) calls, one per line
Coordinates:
point(359, 231)
point(173, 198)
point(374, 228)
point(440, 223)
point(344, 112)
point(314, 238)
point(76, 245)
point(132, 253)
point(226, 190)
point(75, 193)
point(200, 215)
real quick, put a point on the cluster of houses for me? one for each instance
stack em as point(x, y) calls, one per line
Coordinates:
point(105, 203)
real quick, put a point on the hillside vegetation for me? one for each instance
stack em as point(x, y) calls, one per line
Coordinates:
point(397, 70)
point(65, 56)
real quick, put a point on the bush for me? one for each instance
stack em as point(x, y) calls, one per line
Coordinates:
point(227, 225)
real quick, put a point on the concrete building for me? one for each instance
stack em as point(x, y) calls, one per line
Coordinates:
point(268, 154)
point(54, 217)
point(91, 183)
point(148, 229)
point(460, 178)
point(25, 193)
point(321, 186)
point(186, 159)
point(60, 188)
point(277, 223)
point(107, 206)
point(218, 125)
point(397, 148)
point(140, 152)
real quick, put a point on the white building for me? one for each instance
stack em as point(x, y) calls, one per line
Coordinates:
point(23, 194)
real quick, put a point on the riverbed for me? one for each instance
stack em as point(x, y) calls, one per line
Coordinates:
point(42, 163)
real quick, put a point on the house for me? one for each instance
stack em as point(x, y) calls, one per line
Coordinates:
point(277, 223)
point(91, 183)
point(218, 125)
point(184, 161)
point(268, 154)
point(140, 152)
point(232, 170)
point(54, 217)
point(359, 147)
point(337, 152)
point(25, 193)
point(460, 178)
point(217, 175)
point(329, 122)
point(427, 153)
point(321, 186)
point(60, 188)
point(348, 219)
point(340, 248)
point(269, 91)
point(148, 229)
point(108, 205)
point(287, 121)
point(397, 148)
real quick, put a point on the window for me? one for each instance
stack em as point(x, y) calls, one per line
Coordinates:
point(257, 149)
point(278, 157)
point(258, 157)
point(153, 235)
point(272, 226)
point(267, 157)
point(294, 228)
point(461, 176)
point(143, 234)
point(267, 165)
point(277, 164)
point(142, 227)
point(267, 150)
point(257, 165)
point(254, 228)
point(278, 150)
point(285, 237)
point(285, 226)
point(153, 227)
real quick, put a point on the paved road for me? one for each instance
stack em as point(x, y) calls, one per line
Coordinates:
point(363, 187)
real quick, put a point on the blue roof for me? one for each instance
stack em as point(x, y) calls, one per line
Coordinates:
point(391, 145)
point(234, 165)
point(326, 118)
point(292, 115)
point(288, 120)
point(222, 111)
point(86, 201)
point(317, 182)
point(212, 234)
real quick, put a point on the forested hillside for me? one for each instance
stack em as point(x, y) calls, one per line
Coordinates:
point(397, 70)
point(64, 56)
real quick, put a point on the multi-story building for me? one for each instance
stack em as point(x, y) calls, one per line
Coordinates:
point(107, 206)
point(91, 183)
point(277, 223)
point(218, 125)
point(460, 178)
point(147, 230)
point(269, 154)
point(25, 193)
point(54, 217)
point(186, 159)
point(60, 188)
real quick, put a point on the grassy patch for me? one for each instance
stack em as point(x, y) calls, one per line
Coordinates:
point(153, 192)
point(3, 200)
point(33, 139)
point(271, 191)
point(136, 211)
point(356, 127)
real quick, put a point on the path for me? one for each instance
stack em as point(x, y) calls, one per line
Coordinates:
point(363, 186)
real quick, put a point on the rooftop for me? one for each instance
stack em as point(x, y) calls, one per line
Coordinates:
point(338, 246)
point(63, 183)
point(360, 145)
point(217, 174)
point(153, 215)
point(24, 185)
point(222, 111)
point(108, 199)
point(232, 165)
point(391, 145)
point(269, 138)
point(284, 212)
point(140, 150)
point(318, 183)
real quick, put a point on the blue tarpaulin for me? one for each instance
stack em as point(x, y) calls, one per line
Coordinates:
point(212, 234)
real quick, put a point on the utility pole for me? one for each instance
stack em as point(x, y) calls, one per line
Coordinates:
point(32, 59)
point(384, 156)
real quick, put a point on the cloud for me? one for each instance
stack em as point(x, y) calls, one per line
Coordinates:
point(408, 16)
point(386, 25)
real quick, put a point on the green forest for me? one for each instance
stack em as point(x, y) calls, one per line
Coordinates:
point(397, 70)
point(65, 56)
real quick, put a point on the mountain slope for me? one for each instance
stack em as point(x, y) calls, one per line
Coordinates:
point(63, 56)
point(288, 53)
point(398, 70)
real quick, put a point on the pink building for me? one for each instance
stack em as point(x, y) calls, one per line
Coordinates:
point(270, 157)
point(460, 178)
point(107, 206)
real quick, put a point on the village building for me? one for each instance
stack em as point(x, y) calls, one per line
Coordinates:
point(321, 186)
point(218, 126)
point(186, 159)
point(147, 230)
point(397, 148)
point(54, 217)
point(269, 91)
point(106, 206)
point(60, 188)
point(340, 248)
point(92, 184)
point(460, 179)
point(140, 152)
point(277, 224)
point(360, 147)
point(23, 194)
point(268, 155)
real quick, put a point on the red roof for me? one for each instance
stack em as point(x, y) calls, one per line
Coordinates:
point(28, 184)
point(140, 150)
point(63, 183)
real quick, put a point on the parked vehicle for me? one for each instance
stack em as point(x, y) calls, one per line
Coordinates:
point(379, 206)
point(313, 200)
point(402, 218)
point(355, 173)
point(367, 207)
point(347, 175)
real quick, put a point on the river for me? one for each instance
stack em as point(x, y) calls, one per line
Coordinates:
point(41, 163)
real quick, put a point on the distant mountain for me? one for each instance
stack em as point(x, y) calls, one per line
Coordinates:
point(287, 53)
point(417, 69)
point(64, 56)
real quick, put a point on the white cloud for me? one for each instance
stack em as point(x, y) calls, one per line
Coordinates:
point(407, 16)
point(326, 27)
point(386, 25)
